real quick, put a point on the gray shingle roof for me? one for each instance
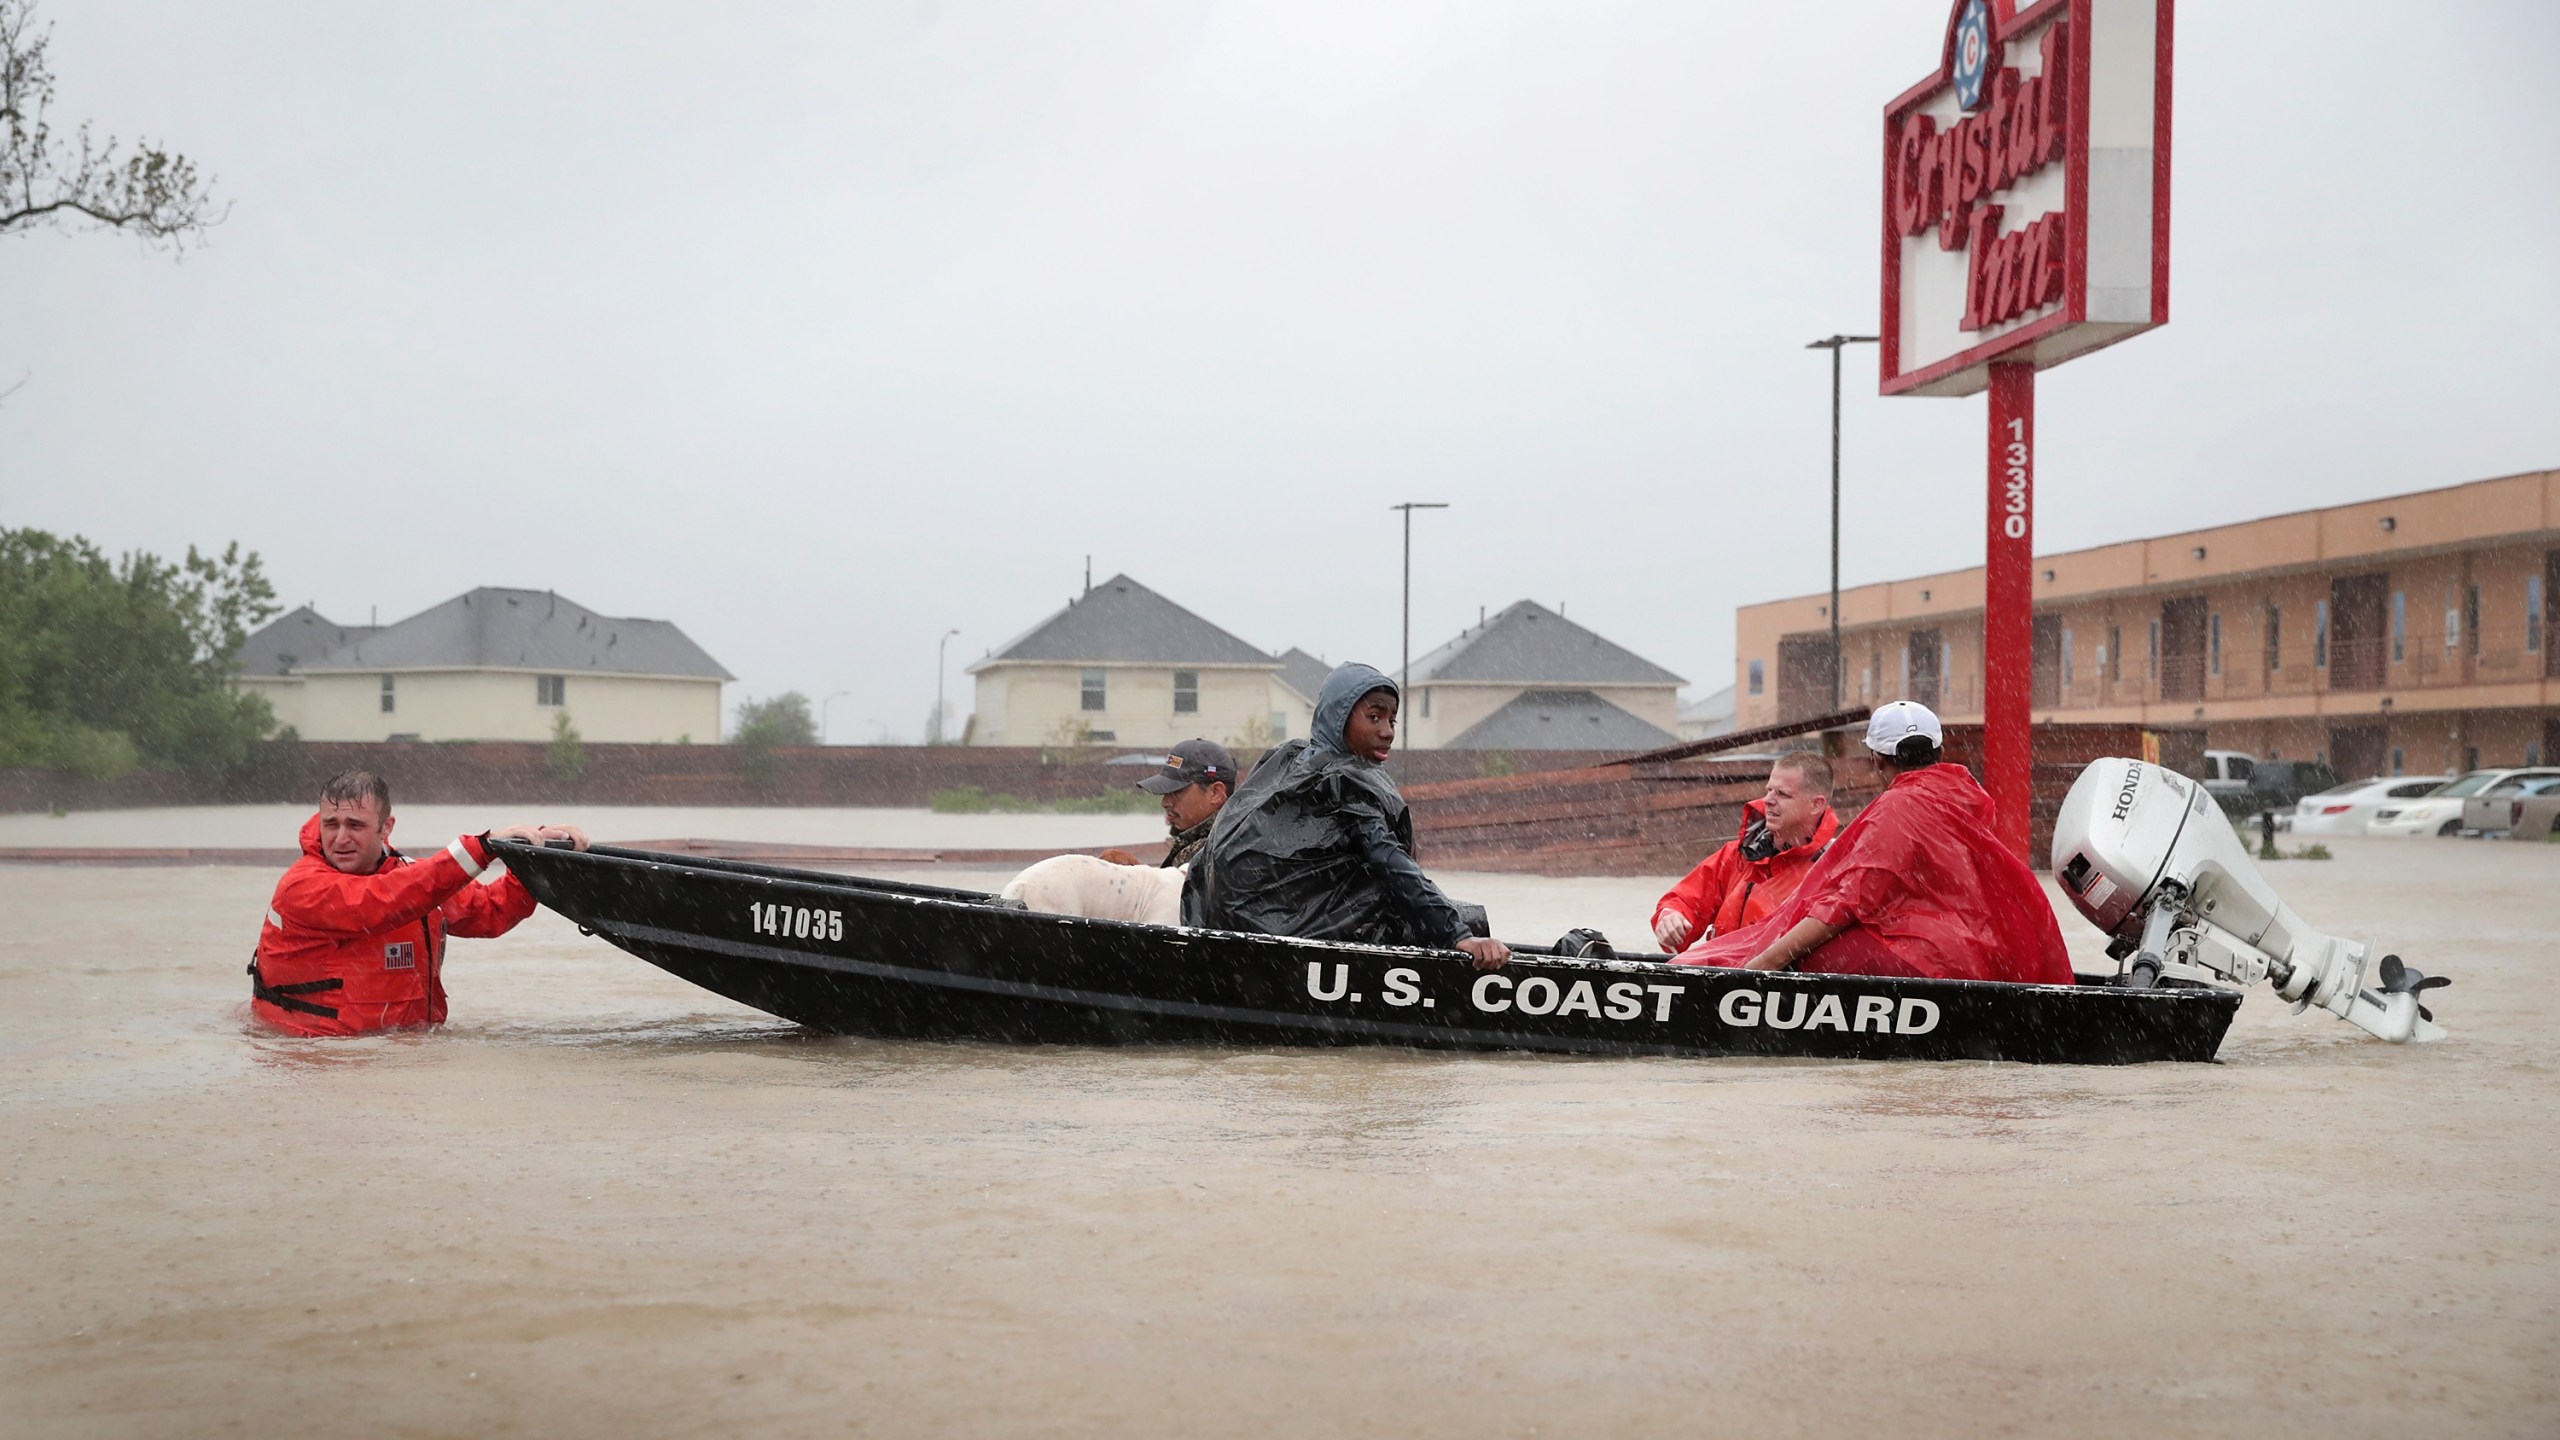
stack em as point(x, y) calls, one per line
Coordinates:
point(1560, 720)
point(1303, 673)
point(1529, 644)
point(498, 629)
point(1123, 621)
point(297, 637)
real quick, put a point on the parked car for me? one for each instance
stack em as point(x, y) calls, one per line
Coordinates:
point(2226, 775)
point(2439, 813)
point(2345, 809)
point(2494, 810)
point(2279, 785)
point(2535, 816)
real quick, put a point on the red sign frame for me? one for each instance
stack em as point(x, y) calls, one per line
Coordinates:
point(2065, 331)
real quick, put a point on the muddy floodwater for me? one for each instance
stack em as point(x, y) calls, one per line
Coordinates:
point(603, 1202)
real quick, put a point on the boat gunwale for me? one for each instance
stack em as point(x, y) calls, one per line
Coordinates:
point(979, 904)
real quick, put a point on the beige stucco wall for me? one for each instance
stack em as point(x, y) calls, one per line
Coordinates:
point(500, 705)
point(2494, 534)
point(283, 694)
point(1026, 704)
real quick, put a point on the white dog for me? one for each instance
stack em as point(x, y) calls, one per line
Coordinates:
point(1091, 886)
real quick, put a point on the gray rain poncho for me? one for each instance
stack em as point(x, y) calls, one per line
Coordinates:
point(1317, 844)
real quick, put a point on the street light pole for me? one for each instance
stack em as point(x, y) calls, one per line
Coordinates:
point(1834, 344)
point(939, 648)
point(822, 713)
point(1404, 667)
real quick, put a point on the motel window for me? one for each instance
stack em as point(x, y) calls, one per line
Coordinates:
point(1186, 692)
point(2213, 643)
point(2320, 636)
point(2452, 629)
point(550, 690)
point(2533, 612)
point(2113, 661)
point(2399, 761)
point(1755, 677)
point(2399, 629)
point(2471, 619)
point(2066, 657)
point(2275, 639)
point(1426, 702)
point(1279, 726)
point(390, 701)
point(2151, 661)
point(1093, 691)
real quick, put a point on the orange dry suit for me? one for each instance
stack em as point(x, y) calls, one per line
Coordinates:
point(347, 954)
point(1749, 878)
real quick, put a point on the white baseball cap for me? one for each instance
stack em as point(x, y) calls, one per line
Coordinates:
point(1898, 721)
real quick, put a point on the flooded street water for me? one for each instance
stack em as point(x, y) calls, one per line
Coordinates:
point(603, 1202)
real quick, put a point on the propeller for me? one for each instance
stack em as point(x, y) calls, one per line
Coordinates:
point(2400, 979)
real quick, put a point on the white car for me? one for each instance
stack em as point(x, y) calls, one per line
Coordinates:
point(2345, 809)
point(2439, 812)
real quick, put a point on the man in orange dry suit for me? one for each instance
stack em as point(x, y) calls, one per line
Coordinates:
point(1783, 833)
point(354, 939)
point(1918, 884)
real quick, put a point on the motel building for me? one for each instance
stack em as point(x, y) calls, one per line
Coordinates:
point(2412, 634)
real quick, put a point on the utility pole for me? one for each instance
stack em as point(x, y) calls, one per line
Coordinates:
point(1834, 345)
point(940, 647)
point(822, 713)
point(1404, 668)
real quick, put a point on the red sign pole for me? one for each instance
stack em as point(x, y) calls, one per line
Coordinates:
point(2008, 602)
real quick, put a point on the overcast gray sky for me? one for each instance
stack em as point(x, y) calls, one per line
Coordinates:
point(822, 328)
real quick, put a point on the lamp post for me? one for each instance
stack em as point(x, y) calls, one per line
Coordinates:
point(940, 647)
point(1404, 666)
point(1834, 344)
point(822, 713)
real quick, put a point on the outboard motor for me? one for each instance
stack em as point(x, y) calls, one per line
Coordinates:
point(2146, 856)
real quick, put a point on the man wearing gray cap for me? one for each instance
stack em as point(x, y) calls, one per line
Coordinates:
point(1197, 778)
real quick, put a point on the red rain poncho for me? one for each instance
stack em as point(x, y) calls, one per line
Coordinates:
point(1922, 873)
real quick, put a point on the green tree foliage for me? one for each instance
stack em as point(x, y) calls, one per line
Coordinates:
point(567, 757)
point(765, 725)
point(106, 664)
point(149, 192)
point(783, 720)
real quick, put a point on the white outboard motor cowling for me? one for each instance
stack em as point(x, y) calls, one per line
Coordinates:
point(2147, 857)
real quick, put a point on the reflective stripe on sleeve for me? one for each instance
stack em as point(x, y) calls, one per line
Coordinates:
point(275, 919)
point(496, 872)
point(461, 854)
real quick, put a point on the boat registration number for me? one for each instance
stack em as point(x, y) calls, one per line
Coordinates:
point(798, 922)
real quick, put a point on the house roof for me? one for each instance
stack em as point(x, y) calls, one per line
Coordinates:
point(1303, 673)
point(1529, 644)
point(499, 629)
point(1710, 709)
point(1560, 720)
point(1123, 621)
point(299, 635)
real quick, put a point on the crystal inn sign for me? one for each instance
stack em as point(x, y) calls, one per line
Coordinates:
point(2026, 221)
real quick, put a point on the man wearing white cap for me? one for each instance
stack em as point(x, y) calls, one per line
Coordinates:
point(1919, 884)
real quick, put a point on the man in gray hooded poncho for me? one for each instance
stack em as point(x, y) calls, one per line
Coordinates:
point(1318, 845)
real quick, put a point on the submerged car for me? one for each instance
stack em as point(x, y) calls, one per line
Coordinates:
point(2535, 817)
point(2345, 809)
point(2278, 786)
point(2440, 812)
point(2495, 810)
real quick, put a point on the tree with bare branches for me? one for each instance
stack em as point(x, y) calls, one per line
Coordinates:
point(148, 191)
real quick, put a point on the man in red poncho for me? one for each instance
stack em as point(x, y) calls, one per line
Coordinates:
point(1919, 884)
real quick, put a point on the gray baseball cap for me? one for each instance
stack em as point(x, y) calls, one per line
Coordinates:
point(1193, 762)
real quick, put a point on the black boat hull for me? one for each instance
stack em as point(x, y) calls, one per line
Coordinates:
point(872, 957)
